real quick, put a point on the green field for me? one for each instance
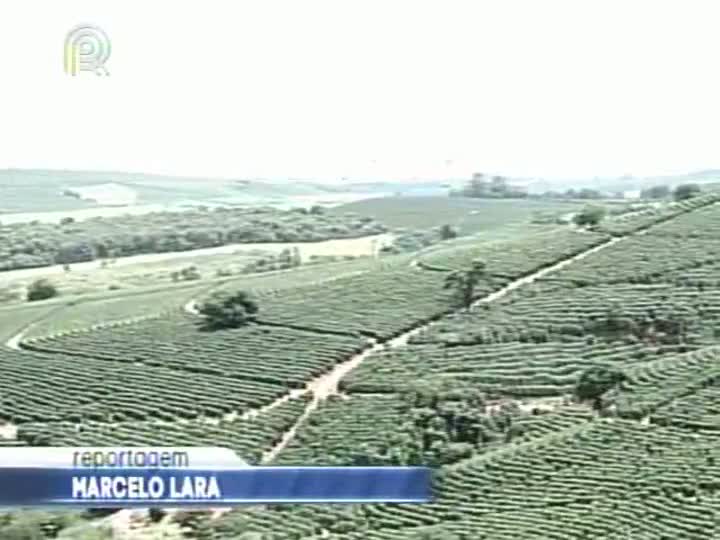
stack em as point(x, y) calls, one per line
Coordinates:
point(486, 395)
point(468, 215)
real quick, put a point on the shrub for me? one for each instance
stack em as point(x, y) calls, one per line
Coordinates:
point(589, 216)
point(41, 290)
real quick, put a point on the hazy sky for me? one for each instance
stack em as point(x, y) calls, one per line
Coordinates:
point(384, 88)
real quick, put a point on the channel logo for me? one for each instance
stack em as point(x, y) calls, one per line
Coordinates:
point(87, 48)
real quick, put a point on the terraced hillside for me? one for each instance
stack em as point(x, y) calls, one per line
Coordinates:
point(529, 461)
point(380, 366)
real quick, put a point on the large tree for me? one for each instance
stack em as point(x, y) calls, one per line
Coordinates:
point(229, 310)
point(464, 282)
point(448, 232)
point(595, 381)
point(686, 191)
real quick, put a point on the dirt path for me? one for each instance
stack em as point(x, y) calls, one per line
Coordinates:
point(321, 387)
point(14, 341)
point(327, 385)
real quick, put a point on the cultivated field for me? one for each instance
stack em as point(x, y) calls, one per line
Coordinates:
point(468, 215)
point(372, 361)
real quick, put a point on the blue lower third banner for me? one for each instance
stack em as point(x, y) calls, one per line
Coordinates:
point(143, 487)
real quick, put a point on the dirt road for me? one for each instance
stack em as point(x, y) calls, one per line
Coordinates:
point(326, 385)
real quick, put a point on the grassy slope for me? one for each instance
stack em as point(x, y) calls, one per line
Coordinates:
point(86, 314)
point(88, 310)
point(39, 190)
point(71, 313)
point(15, 319)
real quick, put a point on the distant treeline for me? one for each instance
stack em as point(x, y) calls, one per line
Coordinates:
point(585, 194)
point(499, 187)
point(680, 193)
point(485, 187)
point(30, 245)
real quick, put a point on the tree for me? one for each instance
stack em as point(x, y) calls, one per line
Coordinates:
point(686, 191)
point(477, 187)
point(499, 185)
point(597, 380)
point(74, 252)
point(102, 250)
point(41, 289)
point(672, 322)
point(483, 187)
point(464, 282)
point(448, 232)
point(589, 216)
point(229, 310)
